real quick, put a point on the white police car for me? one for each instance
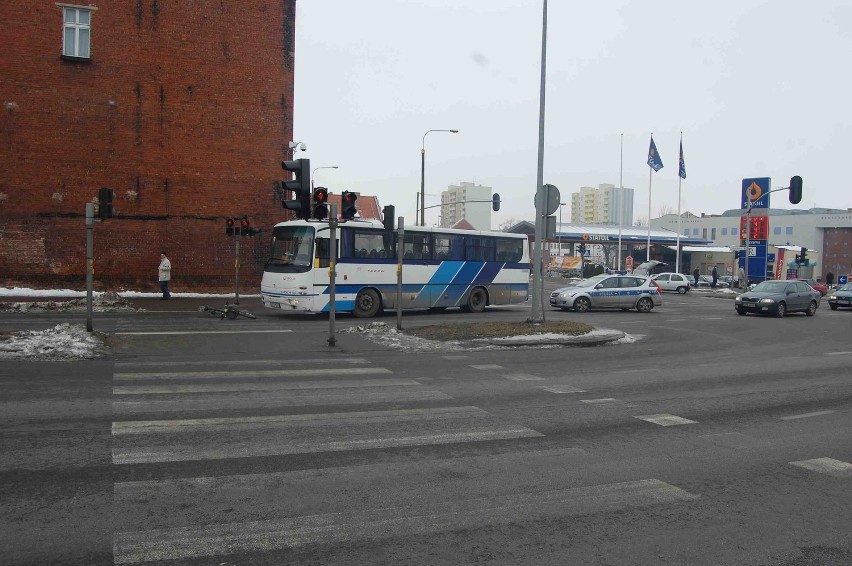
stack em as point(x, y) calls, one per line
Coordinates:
point(609, 291)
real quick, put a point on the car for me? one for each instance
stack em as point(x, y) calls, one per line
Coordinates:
point(778, 298)
point(841, 297)
point(706, 282)
point(823, 289)
point(609, 291)
point(650, 267)
point(673, 282)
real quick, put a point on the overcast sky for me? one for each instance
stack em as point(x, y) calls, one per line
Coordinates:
point(758, 88)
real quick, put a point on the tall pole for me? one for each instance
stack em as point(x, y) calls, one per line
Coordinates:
point(90, 267)
point(679, 179)
point(620, 198)
point(237, 266)
point(650, 176)
point(400, 237)
point(537, 313)
point(332, 272)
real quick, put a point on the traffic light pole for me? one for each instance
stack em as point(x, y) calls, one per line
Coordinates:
point(400, 237)
point(90, 267)
point(237, 268)
point(332, 275)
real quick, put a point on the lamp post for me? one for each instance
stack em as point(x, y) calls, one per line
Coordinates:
point(317, 169)
point(559, 232)
point(423, 173)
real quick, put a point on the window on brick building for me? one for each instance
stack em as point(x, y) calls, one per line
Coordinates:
point(76, 31)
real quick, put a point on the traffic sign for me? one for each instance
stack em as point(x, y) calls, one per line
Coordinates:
point(550, 202)
point(842, 279)
point(628, 263)
point(756, 192)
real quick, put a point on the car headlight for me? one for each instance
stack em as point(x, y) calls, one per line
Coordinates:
point(767, 301)
point(738, 300)
point(832, 297)
point(568, 294)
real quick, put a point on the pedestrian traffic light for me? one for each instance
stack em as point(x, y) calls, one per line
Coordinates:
point(347, 200)
point(229, 226)
point(105, 197)
point(320, 211)
point(795, 190)
point(300, 186)
point(804, 256)
point(388, 213)
point(495, 202)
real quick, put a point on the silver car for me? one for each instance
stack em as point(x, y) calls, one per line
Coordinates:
point(609, 291)
point(673, 282)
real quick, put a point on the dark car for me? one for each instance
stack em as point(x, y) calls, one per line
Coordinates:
point(778, 298)
point(841, 297)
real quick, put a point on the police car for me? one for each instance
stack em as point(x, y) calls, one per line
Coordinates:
point(609, 291)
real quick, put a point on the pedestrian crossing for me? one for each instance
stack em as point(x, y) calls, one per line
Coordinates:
point(189, 417)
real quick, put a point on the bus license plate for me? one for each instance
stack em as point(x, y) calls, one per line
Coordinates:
point(274, 305)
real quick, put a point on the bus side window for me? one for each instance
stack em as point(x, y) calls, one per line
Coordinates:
point(323, 247)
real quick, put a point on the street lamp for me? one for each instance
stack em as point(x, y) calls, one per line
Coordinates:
point(559, 233)
point(423, 173)
point(317, 169)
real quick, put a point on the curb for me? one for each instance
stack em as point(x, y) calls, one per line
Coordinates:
point(594, 338)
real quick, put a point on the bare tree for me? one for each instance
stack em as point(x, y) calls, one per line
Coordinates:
point(665, 210)
point(506, 224)
point(641, 221)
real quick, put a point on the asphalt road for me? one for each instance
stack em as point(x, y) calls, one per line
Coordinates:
point(710, 439)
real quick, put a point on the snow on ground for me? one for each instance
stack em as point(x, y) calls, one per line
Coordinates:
point(66, 293)
point(62, 342)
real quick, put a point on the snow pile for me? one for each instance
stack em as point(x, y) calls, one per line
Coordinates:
point(381, 333)
point(62, 342)
point(102, 302)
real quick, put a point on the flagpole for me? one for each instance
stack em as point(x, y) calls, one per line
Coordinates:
point(650, 176)
point(679, 179)
point(620, 198)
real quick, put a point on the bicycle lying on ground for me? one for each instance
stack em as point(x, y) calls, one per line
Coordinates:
point(229, 311)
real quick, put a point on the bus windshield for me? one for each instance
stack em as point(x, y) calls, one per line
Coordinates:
point(292, 249)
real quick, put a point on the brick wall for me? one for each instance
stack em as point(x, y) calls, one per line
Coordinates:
point(837, 252)
point(184, 110)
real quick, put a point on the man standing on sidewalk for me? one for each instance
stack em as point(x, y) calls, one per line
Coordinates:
point(165, 272)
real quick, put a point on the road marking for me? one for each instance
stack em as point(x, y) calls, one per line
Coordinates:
point(183, 332)
point(597, 401)
point(676, 320)
point(637, 370)
point(456, 357)
point(250, 437)
point(271, 386)
point(301, 372)
point(829, 466)
point(665, 419)
point(182, 543)
point(806, 415)
point(559, 389)
point(486, 367)
point(289, 362)
point(522, 377)
point(837, 353)
point(712, 318)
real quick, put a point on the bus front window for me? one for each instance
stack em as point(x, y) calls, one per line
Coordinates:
point(292, 249)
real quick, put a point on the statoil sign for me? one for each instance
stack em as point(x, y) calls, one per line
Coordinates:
point(756, 193)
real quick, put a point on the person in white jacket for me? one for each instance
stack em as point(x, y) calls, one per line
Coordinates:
point(165, 273)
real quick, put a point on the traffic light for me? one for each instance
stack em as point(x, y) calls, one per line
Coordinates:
point(582, 249)
point(105, 197)
point(245, 226)
point(495, 202)
point(301, 187)
point(795, 190)
point(388, 213)
point(736, 254)
point(320, 211)
point(347, 202)
point(229, 226)
point(804, 256)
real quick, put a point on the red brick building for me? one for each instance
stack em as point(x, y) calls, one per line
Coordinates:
point(183, 108)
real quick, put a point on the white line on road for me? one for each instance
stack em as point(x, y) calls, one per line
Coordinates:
point(837, 353)
point(289, 362)
point(597, 401)
point(665, 419)
point(271, 386)
point(829, 466)
point(559, 389)
point(486, 367)
point(301, 372)
point(184, 543)
point(806, 415)
point(183, 332)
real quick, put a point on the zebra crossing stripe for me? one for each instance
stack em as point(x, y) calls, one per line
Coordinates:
point(166, 389)
point(300, 372)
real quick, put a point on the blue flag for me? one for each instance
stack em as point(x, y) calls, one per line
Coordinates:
point(654, 157)
point(682, 164)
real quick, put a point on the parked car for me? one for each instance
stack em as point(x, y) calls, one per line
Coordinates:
point(650, 267)
point(706, 282)
point(673, 282)
point(841, 297)
point(778, 298)
point(609, 291)
point(823, 289)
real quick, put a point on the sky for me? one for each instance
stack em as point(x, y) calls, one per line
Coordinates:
point(757, 88)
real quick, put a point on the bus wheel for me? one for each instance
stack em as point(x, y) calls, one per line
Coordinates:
point(366, 304)
point(476, 300)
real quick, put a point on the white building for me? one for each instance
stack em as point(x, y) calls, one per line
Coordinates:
point(457, 204)
point(607, 204)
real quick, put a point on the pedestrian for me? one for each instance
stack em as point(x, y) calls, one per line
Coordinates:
point(829, 279)
point(715, 275)
point(165, 273)
point(741, 277)
point(696, 274)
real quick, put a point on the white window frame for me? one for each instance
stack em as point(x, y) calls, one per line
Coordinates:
point(75, 28)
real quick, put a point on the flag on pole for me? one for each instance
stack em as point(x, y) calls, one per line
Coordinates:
point(682, 164)
point(654, 157)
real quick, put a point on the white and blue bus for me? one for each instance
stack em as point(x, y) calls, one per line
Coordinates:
point(440, 268)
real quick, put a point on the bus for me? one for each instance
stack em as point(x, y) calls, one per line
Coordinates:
point(441, 268)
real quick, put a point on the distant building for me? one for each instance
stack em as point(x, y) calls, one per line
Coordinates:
point(607, 204)
point(457, 205)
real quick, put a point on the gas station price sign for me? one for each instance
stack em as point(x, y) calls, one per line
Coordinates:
point(757, 230)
